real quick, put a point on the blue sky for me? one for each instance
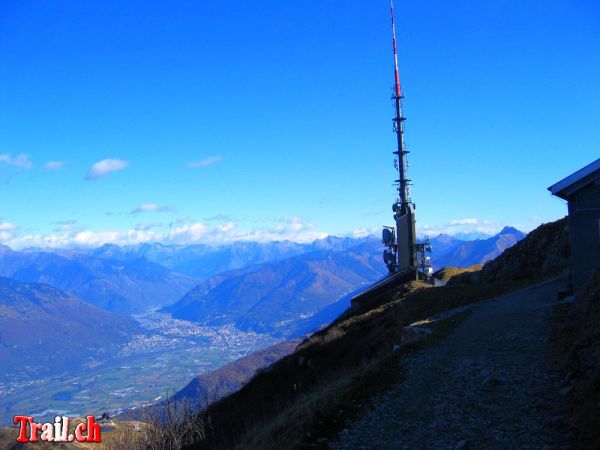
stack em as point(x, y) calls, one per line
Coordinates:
point(212, 121)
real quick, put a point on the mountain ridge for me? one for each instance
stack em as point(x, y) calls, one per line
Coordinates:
point(268, 296)
point(115, 285)
point(35, 317)
point(131, 279)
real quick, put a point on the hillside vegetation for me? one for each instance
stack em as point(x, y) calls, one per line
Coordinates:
point(545, 252)
point(447, 273)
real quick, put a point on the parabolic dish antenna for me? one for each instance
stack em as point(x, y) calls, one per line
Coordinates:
point(387, 236)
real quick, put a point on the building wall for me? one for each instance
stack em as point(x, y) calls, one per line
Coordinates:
point(584, 231)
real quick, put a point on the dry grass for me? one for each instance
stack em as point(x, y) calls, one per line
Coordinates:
point(448, 272)
point(173, 427)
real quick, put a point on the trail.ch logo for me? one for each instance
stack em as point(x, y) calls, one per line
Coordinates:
point(88, 431)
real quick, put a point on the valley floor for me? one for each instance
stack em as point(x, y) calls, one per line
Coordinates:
point(491, 383)
point(147, 369)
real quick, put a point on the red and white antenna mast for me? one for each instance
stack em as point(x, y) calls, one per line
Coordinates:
point(401, 252)
point(402, 182)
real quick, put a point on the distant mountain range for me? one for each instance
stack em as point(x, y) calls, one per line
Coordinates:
point(130, 279)
point(276, 297)
point(298, 294)
point(276, 287)
point(471, 235)
point(43, 329)
point(122, 285)
point(204, 261)
point(448, 251)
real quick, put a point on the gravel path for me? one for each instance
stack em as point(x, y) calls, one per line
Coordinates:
point(489, 384)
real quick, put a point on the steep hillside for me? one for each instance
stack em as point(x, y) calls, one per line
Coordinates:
point(44, 330)
point(542, 253)
point(273, 297)
point(545, 251)
point(117, 285)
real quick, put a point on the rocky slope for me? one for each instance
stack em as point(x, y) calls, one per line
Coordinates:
point(545, 252)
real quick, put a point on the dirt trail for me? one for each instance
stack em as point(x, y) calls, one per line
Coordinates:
point(490, 383)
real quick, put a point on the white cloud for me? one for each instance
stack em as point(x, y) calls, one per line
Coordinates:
point(7, 231)
point(54, 165)
point(205, 162)
point(218, 218)
point(151, 207)
point(226, 227)
point(292, 229)
point(20, 161)
point(364, 232)
point(464, 222)
point(7, 226)
point(106, 166)
point(148, 226)
point(65, 225)
point(467, 225)
point(295, 224)
point(183, 219)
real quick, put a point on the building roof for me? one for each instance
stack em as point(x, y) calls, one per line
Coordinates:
point(576, 181)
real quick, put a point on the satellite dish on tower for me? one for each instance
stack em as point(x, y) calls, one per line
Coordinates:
point(389, 258)
point(387, 236)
